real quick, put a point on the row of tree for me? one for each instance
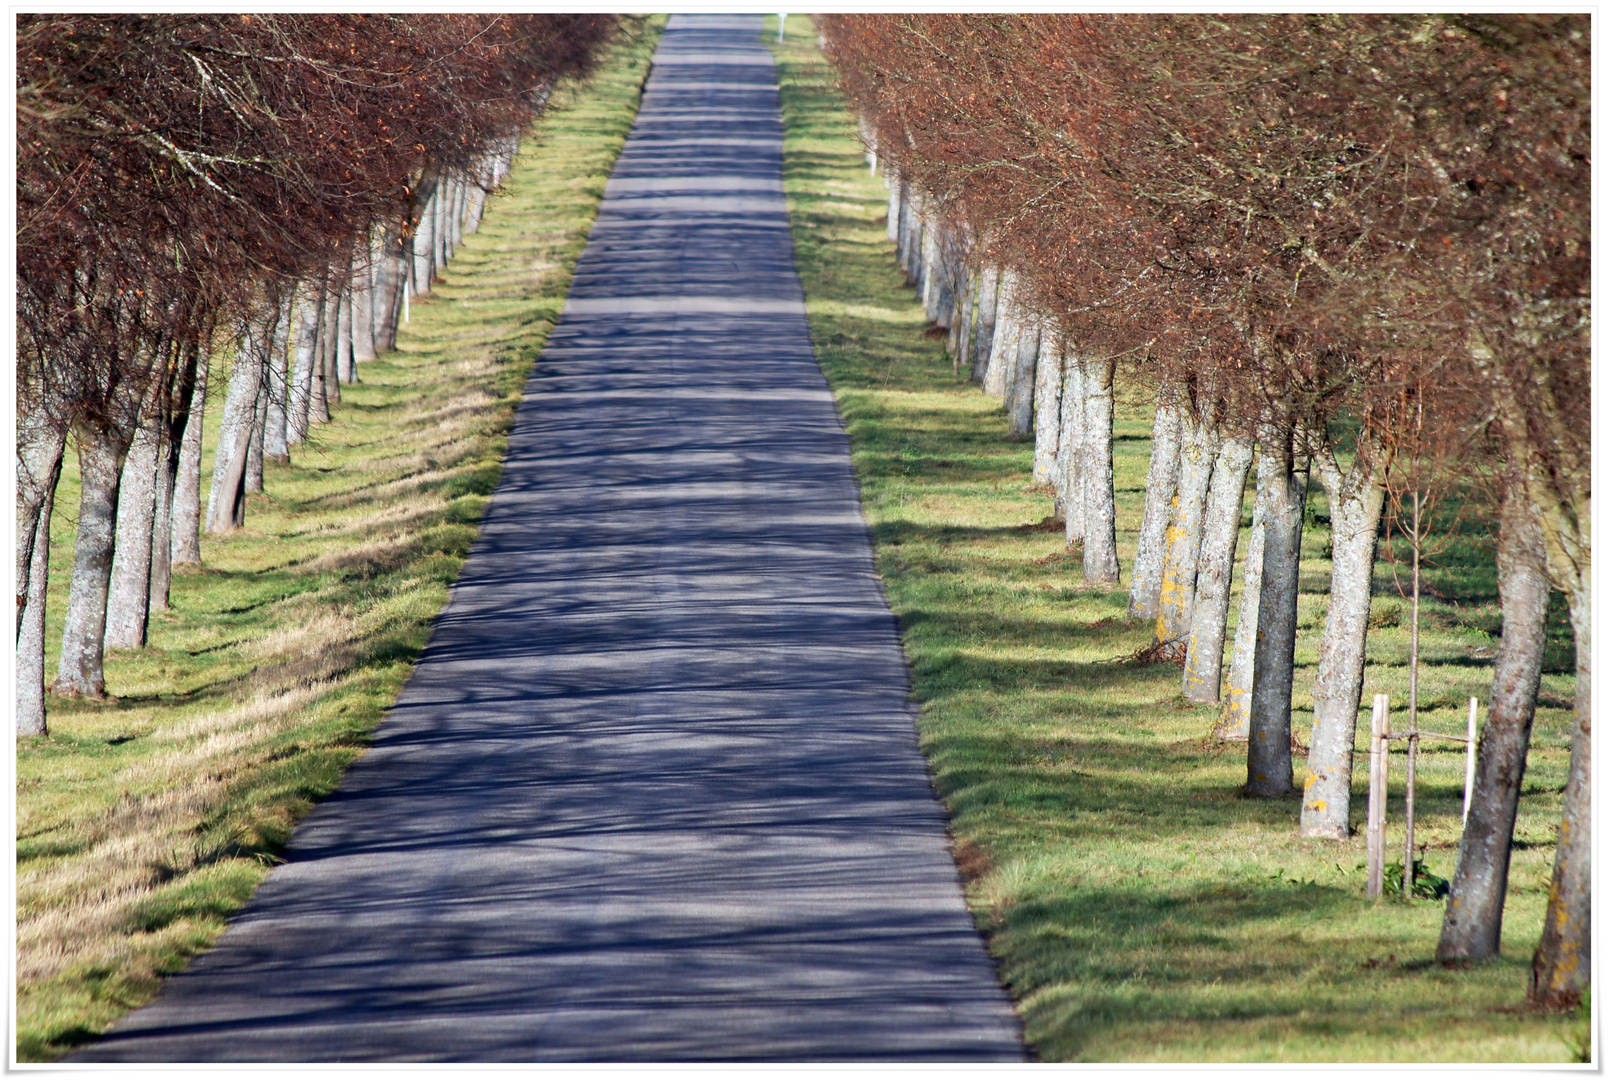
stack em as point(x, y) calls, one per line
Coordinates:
point(1350, 245)
point(275, 187)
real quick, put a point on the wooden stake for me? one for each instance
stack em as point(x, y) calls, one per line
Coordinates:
point(1468, 761)
point(1378, 776)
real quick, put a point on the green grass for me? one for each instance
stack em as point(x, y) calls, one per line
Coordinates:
point(1139, 907)
point(144, 821)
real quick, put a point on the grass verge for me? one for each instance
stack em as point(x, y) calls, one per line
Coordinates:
point(1139, 907)
point(143, 822)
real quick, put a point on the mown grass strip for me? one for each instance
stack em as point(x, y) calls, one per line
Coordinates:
point(145, 821)
point(1139, 907)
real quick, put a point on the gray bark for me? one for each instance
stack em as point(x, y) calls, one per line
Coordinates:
point(440, 227)
point(181, 405)
point(1281, 483)
point(890, 177)
point(937, 296)
point(100, 464)
point(959, 311)
point(1007, 334)
point(907, 229)
point(1019, 395)
point(363, 308)
point(167, 460)
point(187, 482)
point(1047, 406)
point(987, 315)
point(424, 245)
point(259, 432)
point(475, 207)
point(129, 591)
point(390, 272)
point(226, 505)
point(345, 365)
point(1472, 927)
point(1355, 500)
point(1067, 475)
point(304, 372)
point(1560, 971)
point(41, 442)
point(1208, 624)
point(1234, 722)
point(1175, 602)
point(331, 353)
point(927, 223)
point(1099, 484)
point(1161, 485)
point(276, 442)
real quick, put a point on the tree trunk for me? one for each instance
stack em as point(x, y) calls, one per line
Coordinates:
point(389, 274)
point(226, 508)
point(907, 226)
point(161, 583)
point(1472, 928)
point(1560, 971)
point(1149, 562)
point(1208, 625)
point(1355, 499)
point(440, 228)
point(959, 310)
point(306, 372)
point(363, 309)
point(937, 289)
point(424, 246)
point(1099, 490)
point(41, 442)
point(1019, 399)
point(1175, 601)
point(1047, 381)
point(276, 433)
point(455, 217)
point(890, 177)
point(100, 464)
point(1234, 722)
point(332, 346)
point(475, 209)
point(1281, 484)
point(988, 293)
point(187, 482)
point(129, 593)
point(1068, 476)
point(259, 431)
point(1006, 338)
point(345, 367)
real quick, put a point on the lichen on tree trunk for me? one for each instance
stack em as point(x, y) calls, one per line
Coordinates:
point(41, 442)
point(1068, 480)
point(186, 527)
point(1047, 406)
point(1100, 565)
point(1355, 500)
point(1161, 484)
point(1234, 720)
point(1472, 927)
point(1197, 453)
point(80, 672)
point(1203, 664)
point(129, 592)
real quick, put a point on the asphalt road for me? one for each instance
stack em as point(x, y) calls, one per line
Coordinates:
point(653, 790)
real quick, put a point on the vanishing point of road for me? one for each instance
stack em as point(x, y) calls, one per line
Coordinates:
point(653, 790)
